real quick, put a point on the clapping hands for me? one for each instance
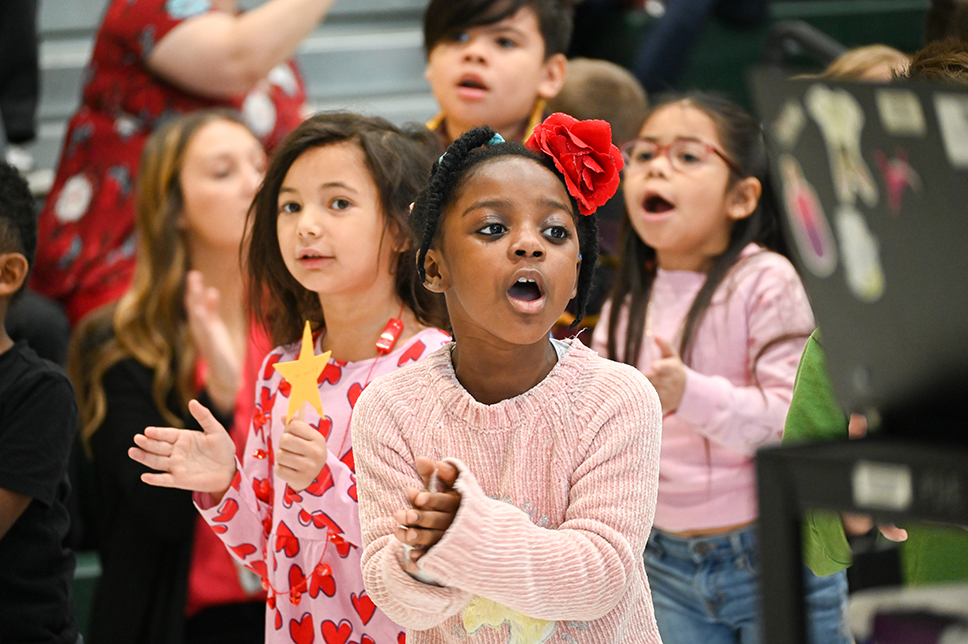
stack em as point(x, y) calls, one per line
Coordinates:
point(434, 509)
point(187, 459)
point(213, 342)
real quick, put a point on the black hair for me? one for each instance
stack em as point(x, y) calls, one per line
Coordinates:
point(742, 139)
point(18, 216)
point(445, 19)
point(446, 179)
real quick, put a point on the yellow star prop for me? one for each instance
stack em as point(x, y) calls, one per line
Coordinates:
point(303, 375)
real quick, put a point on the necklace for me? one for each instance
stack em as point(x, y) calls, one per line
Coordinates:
point(317, 578)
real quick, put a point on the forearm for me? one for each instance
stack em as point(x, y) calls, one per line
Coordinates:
point(737, 417)
point(12, 505)
point(408, 602)
point(493, 550)
point(221, 55)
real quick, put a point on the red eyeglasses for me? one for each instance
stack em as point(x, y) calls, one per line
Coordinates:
point(685, 155)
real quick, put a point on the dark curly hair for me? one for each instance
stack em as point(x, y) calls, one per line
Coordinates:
point(446, 178)
point(18, 216)
point(445, 19)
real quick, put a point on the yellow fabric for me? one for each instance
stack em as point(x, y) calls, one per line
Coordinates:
point(537, 115)
point(480, 612)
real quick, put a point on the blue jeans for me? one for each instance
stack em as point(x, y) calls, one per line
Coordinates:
point(706, 591)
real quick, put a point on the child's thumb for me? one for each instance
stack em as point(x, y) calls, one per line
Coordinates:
point(665, 348)
point(204, 417)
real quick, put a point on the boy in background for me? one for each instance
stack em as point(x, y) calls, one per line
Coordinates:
point(38, 420)
point(495, 62)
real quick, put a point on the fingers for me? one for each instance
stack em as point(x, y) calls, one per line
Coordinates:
point(298, 429)
point(419, 537)
point(666, 350)
point(437, 501)
point(447, 473)
point(159, 479)
point(153, 446)
point(425, 469)
point(857, 427)
point(204, 417)
point(893, 533)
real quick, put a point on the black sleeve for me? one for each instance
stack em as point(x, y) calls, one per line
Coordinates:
point(131, 408)
point(38, 426)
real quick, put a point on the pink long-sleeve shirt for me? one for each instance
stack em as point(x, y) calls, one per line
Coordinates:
point(738, 384)
point(558, 488)
point(307, 544)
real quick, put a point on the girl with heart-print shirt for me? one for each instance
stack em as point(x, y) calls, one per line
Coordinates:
point(328, 243)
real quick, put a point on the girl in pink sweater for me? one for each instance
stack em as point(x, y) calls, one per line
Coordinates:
point(329, 244)
point(717, 321)
point(507, 482)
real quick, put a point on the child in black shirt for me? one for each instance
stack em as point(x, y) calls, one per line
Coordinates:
point(38, 420)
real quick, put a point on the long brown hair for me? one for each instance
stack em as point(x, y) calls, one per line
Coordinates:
point(399, 162)
point(148, 323)
point(743, 143)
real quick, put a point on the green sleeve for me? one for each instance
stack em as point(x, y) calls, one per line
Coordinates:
point(815, 415)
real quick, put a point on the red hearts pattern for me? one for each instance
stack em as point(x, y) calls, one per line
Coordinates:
point(270, 369)
point(364, 606)
point(243, 550)
point(322, 482)
point(349, 461)
point(413, 352)
point(354, 393)
point(336, 634)
point(331, 374)
point(290, 496)
point(302, 632)
point(322, 580)
point(227, 511)
point(286, 541)
point(309, 608)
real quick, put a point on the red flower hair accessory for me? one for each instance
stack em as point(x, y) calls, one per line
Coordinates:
point(583, 152)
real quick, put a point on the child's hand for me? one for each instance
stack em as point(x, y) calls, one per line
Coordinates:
point(668, 376)
point(301, 454)
point(213, 342)
point(433, 509)
point(187, 459)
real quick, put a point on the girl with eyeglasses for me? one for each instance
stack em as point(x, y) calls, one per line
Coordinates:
point(706, 307)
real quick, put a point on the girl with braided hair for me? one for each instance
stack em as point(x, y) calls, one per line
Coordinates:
point(507, 482)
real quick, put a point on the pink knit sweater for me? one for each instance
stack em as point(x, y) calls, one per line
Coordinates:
point(558, 492)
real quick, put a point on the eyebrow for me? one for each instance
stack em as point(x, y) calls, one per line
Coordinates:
point(654, 139)
point(324, 186)
point(486, 203)
point(498, 203)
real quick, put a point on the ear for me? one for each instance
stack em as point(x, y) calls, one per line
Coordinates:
point(743, 198)
point(437, 280)
point(574, 291)
point(13, 272)
point(553, 80)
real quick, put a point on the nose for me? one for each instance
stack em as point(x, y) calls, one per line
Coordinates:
point(253, 180)
point(660, 164)
point(527, 244)
point(474, 50)
point(307, 226)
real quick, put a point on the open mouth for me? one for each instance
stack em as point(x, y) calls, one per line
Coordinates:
point(525, 289)
point(472, 82)
point(656, 205)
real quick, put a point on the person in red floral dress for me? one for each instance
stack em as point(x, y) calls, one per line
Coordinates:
point(153, 59)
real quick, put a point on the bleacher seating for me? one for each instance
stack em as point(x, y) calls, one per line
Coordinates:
point(367, 55)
